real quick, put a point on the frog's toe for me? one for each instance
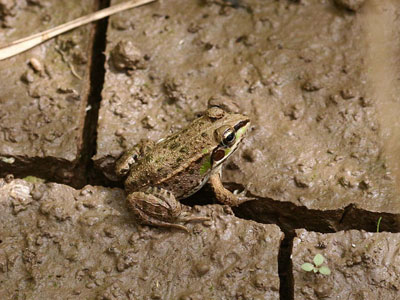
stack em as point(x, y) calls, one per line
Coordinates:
point(187, 219)
point(161, 193)
point(157, 223)
point(242, 196)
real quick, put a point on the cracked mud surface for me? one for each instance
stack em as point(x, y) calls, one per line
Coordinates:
point(315, 142)
point(318, 79)
point(363, 265)
point(84, 244)
point(43, 92)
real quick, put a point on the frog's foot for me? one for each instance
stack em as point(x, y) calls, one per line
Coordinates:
point(187, 219)
point(224, 195)
point(144, 219)
point(158, 207)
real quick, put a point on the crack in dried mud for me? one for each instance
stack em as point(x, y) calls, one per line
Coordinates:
point(289, 216)
point(284, 214)
point(96, 81)
point(334, 221)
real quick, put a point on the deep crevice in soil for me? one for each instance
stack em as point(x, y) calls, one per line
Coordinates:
point(97, 74)
point(285, 267)
point(290, 217)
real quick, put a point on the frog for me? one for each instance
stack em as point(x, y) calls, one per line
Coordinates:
point(160, 174)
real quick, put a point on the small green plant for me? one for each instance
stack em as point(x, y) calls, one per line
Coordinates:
point(378, 224)
point(317, 266)
point(33, 179)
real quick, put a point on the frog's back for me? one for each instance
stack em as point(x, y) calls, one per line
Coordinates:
point(175, 162)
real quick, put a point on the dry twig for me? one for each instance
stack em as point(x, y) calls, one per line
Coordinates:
point(29, 42)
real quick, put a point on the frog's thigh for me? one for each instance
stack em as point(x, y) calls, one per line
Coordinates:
point(155, 203)
point(222, 194)
point(156, 207)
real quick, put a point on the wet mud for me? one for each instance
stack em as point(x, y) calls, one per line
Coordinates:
point(44, 92)
point(315, 140)
point(62, 243)
point(319, 81)
point(363, 265)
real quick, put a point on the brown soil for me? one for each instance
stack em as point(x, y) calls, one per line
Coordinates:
point(62, 243)
point(44, 92)
point(318, 79)
point(363, 265)
point(314, 139)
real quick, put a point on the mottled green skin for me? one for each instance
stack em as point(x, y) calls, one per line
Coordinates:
point(181, 163)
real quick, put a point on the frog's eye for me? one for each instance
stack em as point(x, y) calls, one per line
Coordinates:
point(226, 135)
point(229, 137)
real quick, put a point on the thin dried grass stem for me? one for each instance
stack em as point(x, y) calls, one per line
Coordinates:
point(29, 42)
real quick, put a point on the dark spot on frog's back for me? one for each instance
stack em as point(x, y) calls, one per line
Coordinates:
point(174, 145)
point(184, 149)
point(204, 134)
point(143, 179)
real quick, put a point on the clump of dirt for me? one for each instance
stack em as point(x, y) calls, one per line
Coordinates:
point(125, 56)
point(84, 244)
point(8, 9)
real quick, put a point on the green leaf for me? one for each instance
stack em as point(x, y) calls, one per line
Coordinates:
point(307, 267)
point(325, 270)
point(318, 259)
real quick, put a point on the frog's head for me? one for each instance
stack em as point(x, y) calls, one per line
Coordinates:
point(228, 132)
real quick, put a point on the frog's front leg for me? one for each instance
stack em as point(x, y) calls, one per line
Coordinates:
point(222, 194)
point(130, 157)
point(158, 207)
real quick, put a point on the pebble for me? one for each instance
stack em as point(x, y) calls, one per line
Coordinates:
point(36, 65)
point(91, 285)
point(9, 178)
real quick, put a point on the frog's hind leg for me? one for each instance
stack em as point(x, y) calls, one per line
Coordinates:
point(145, 219)
point(158, 207)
